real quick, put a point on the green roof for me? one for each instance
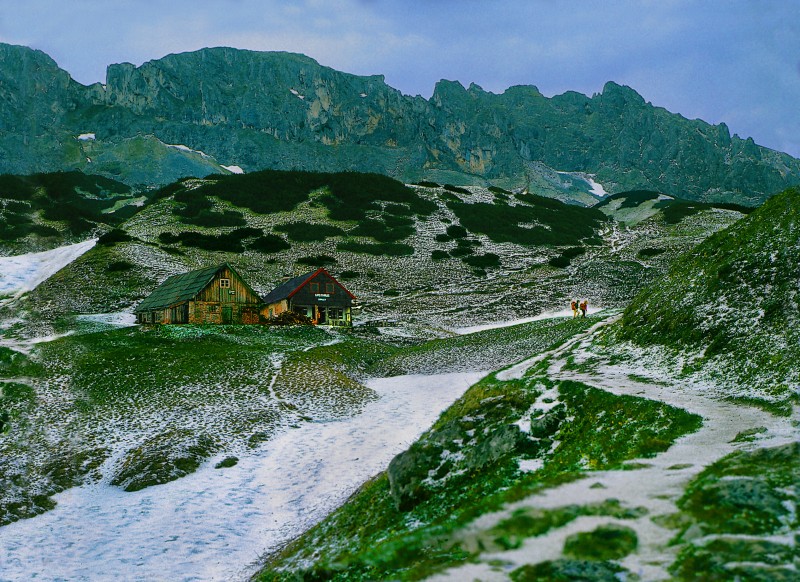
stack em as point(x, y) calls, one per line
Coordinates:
point(179, 288)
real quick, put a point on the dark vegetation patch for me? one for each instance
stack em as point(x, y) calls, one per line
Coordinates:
point(483, 261)
point(649, 252)
point(451, 188)
point(198, 210)
point(570, 570)
point(427, 184)
point(120, 266)
point(113, 237)
point(227, 462)
point(456, 231)
point(539, 221)
point(307, 232)
point(438, 255)
point(378, 249)
point(563, 260)
point(78, 200)
point(163, 458)
point(231, 242)
point(676, 210)
point(348, 275)
point(269, 243)
point(606, 542)
point(316, 260)
point(348, 195)
point(498, 190)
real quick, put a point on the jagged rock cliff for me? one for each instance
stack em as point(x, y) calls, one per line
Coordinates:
point(279, 110)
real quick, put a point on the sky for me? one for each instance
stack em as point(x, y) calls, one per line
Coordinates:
point(731, 61)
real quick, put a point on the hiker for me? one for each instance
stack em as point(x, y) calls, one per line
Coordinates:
point(574, 307)
point(584, 306)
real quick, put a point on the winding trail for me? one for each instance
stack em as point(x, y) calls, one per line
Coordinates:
point(656, 486)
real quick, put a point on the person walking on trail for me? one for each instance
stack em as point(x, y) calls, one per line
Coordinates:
point(584, 306)
point(574, 306)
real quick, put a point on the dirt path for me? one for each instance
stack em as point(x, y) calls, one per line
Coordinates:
point(656, 486)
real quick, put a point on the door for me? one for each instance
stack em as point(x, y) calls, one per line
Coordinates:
point(227, 314)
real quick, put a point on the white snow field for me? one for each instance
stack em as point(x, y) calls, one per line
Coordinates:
point(215, 523)
point(22, 273)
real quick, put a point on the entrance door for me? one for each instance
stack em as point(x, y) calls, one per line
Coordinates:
point(227, 314)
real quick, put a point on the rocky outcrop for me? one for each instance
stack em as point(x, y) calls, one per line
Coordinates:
point(276, 110)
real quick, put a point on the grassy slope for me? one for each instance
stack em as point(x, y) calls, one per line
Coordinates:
point(734, 299)
point(405, 523)
point(455, 275)
point(138, 406)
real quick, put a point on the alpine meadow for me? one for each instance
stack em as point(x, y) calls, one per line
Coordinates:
point(263, 319)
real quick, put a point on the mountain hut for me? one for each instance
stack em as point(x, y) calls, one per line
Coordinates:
point(316, 295)
point(210, 295)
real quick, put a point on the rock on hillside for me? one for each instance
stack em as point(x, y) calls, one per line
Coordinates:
point(736, 294)
point(279, 110)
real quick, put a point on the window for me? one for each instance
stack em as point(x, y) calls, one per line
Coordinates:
point(315, 287)
point(225, 283)
point(328, 287)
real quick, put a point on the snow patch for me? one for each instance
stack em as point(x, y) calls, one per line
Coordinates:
point(22, 273)
point(296, 94)
point(596, 188)
point(499, 324)
point(234, 169)
point(187, 149)
point(213, 524)
point(87, 137)
point(120, 318)
point(530, 465)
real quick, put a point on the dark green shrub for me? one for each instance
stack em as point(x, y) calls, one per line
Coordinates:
point(119, 266)
point(113, 237)
point(483, 261)
point(443, 237)
point(461, 251)
point(451, 188)
point(559, 262)
point(347, 275)
point(649, 252)
point(456, 231)
point(438, 255)
point(561, 224)
point(427, 184)
point(269, 243)
point(316, 261)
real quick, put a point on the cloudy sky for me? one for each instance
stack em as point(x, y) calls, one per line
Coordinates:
point(732, 61)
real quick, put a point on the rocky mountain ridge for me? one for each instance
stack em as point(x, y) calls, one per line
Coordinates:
point(257, 110)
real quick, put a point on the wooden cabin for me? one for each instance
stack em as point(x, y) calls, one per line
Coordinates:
point(210, 295)
point(316, 295)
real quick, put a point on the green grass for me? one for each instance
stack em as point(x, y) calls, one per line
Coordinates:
point(369, 537)
point(745, 494)
point(605, 542)
point(184, 393)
